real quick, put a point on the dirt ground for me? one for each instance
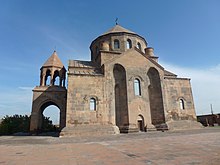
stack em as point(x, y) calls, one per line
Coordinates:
point(189, 147)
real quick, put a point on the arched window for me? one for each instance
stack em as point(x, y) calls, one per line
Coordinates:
point(137, 87)
point(182, 106)
point(116, 44)
point(92, 104)
point(139, 45)
point(129, 44)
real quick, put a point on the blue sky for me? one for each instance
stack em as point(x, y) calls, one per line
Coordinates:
point(185, 35)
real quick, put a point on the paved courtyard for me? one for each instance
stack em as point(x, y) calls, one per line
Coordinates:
point(190, 147)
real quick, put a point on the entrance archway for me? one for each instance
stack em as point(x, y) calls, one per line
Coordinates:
point(140, 123)
point(155, 98)
point(40, 107)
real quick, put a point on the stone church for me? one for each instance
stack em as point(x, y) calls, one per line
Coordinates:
point(122, 89)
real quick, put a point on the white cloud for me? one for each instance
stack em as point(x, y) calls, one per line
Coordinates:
point(26, 88)
point(205, 85)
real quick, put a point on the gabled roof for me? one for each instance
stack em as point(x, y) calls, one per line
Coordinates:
point(81, 64)
point(53, 60)
point(138, 51)
point(150, 59)
point(168, 73)
point(118, 29)
point(78, 67)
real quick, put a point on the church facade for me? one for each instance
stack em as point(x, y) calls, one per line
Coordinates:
point(122, 89)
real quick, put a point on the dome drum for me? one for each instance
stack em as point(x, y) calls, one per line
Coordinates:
point(117, 39)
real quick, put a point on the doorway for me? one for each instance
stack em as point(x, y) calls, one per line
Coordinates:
point(140, 123)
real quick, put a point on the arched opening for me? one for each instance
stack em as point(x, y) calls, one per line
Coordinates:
point(139, 45)
point(129, 44)
point(62, 77)
point(181, 102)
point(137, 87)
point(121, 103)
point(56, 78)
point(116, 44)
point(92, 104)
point(49, 121)
point(52, 112)
point(140, 123)
point(48, 78)
point(155, 98)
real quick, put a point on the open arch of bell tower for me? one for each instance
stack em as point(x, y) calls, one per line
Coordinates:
point(52, 91)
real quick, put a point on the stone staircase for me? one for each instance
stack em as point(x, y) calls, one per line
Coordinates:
point(183, 124)
point(89, 130)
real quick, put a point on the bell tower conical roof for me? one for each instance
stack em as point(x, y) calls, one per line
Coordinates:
point(53, 60)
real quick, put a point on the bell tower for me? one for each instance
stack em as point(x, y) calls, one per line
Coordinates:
point(51, 70)
point(52, 91)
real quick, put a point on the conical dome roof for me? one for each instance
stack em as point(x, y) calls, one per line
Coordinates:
point(118, 29)
point(53, 60)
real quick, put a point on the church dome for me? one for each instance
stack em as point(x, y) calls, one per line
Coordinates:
point(119, 40)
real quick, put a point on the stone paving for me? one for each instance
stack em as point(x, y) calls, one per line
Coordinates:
point(152, 148)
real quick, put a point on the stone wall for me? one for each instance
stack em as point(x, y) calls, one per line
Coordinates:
point(174, 90)
point(80, 90)
point(209, 120)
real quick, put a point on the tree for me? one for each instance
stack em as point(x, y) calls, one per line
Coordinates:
point(21, 123)
point(47, 125)
point(13, 124)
